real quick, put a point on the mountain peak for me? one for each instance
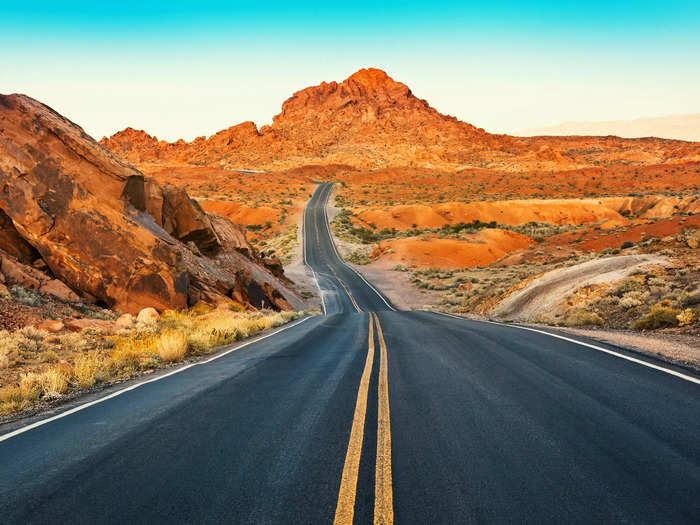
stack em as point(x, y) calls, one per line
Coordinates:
point(370, 77)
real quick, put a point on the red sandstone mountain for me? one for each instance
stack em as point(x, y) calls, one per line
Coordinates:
point(110, 233)
point(370, 121)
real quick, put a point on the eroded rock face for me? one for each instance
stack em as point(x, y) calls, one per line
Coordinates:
point(13, 243)
point(100, 226)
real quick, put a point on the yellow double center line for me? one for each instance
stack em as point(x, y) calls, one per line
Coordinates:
point(383, 492)
point(352, 299)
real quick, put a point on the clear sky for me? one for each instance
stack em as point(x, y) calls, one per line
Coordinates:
point(181, 69)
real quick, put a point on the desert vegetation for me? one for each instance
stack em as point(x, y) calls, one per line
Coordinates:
point(38, 367)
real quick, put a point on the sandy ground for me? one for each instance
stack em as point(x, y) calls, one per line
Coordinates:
point(397, 287)
point(546, 293)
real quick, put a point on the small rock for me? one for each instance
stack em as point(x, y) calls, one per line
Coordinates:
point(4, 292)
point(693, 242)
point(148, 315)
point(51, 326)
point(125, 321)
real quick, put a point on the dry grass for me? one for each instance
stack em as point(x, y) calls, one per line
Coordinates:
point(659, 316)
point(582, 317)
point(85, 370)
point(172, 346)
point(74, 361)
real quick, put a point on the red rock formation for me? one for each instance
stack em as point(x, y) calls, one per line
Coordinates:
point(101, 226)
point(371, 121)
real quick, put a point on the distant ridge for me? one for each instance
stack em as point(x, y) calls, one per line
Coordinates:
point(370, 120)
point(678, 127)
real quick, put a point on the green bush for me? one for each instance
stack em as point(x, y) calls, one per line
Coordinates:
point(582, 317)
point(658, 317)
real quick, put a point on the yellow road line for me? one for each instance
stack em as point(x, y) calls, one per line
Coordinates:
point(383, 491)
point(352, 299)
point(345, 509)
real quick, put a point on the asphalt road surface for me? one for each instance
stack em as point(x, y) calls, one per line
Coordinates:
point(367, 414)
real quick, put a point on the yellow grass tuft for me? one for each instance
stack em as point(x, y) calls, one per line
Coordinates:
point(172, 346)
point(53, 383)
point(86, 369)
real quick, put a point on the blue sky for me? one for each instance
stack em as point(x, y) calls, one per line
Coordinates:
point(186, 69)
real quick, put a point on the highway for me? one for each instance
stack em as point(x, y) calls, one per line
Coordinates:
point(367, 414)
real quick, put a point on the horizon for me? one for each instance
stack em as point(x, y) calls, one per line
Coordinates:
point(178, 72)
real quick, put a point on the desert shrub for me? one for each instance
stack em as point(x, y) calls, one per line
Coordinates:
point(626, 244)
point(26, 296)
point(126, 354)
point(85, 370)
point(686, 317)
point(200, 309)
point(626, 286)
point(359, 257)
point(582, 317)
point(53, 383)
point(33, 334)
point(632, 299)
point(48, 356)
point(172, 346)
point(658, 317)
point(72, 342)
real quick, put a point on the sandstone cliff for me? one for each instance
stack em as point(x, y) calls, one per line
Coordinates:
point(109, 232)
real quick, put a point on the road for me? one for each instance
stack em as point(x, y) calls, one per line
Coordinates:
point(367, 414)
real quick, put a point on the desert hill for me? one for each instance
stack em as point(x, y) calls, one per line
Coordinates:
point(679, 127)
point(78, 222)
point(370, 120)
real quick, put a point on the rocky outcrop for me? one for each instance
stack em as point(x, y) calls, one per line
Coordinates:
point(100, 226)
point(370, 120)
point(15, 272)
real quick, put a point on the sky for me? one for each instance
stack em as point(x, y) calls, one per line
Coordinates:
point(185, 69)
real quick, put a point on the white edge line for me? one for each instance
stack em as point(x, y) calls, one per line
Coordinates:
point(595, 347)
point(330, 235)
point(132, 387)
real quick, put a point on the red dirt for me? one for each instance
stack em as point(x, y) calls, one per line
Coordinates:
point(593, 240)
point(478, 249)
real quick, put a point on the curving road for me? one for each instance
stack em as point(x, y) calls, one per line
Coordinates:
point(368, 414)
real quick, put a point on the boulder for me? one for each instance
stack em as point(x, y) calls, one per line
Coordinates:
point(231, 236)
point(124, 322)
point(59, 290)
point(148, 315)
point(51, 326)
point(275, 266)
point(18, 273)
point(185, 220)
